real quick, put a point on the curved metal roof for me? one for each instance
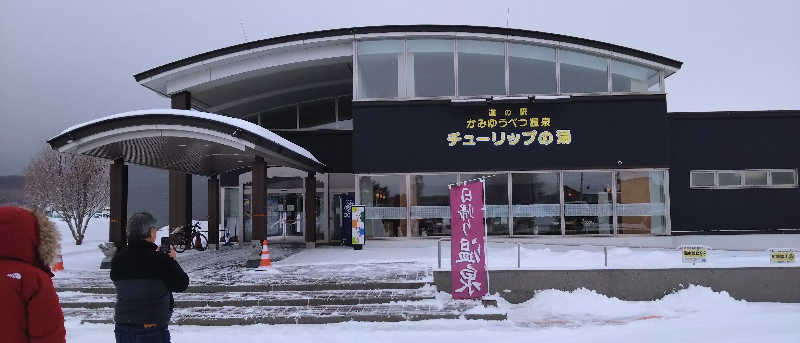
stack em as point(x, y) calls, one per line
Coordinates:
point(405, 28)
point(190, 141)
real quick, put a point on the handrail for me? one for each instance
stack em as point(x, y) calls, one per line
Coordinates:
point(585, 245)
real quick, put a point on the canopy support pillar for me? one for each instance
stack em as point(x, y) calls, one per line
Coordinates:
point(180, 183)
point(258, 210)
point(118, 209)
point(310, 210)
point(213, 212)
point(180, 199)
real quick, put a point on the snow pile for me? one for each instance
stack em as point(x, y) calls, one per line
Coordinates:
point(552, 307)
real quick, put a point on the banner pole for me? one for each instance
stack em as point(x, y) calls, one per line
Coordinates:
point(485, 233)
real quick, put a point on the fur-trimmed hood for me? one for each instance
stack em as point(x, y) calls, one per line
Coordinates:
point(49, 239)
point(29, 236)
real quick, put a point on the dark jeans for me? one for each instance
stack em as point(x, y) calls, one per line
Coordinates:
point(138, 334)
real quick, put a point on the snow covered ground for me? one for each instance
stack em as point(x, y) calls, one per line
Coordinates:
point(500, 255)
point(693, 314)
point(86, 256)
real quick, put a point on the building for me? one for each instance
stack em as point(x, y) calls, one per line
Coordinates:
point(573, 136)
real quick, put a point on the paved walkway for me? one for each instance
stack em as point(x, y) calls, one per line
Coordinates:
point(227, 268)
point(83, 299)
point(235, 315)
point(223, 292)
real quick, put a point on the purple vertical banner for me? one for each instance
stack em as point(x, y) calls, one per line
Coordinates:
point(467, 231)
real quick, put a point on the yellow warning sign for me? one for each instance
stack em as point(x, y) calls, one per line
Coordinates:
point(694, 253)
point(781, 256)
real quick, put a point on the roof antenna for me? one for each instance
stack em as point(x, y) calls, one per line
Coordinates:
point(244, 34)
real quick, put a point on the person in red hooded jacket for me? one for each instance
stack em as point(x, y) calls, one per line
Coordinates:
point(29, 244)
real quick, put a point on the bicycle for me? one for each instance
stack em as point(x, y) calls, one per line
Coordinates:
point(193, 240)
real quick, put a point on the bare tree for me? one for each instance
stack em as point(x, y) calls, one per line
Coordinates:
point(72, 186)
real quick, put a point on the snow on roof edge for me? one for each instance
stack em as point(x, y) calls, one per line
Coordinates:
point(243, 124)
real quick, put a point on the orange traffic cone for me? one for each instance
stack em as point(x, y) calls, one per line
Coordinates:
point(265, 262)
point(59, 266)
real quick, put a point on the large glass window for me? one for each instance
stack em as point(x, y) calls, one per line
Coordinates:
point(536, 203)
point(729, 179)
point(380, 68)
point(627, 77)
point(641, 202)
point(430, 204)
point(282, 118)
point(231, 211)
point(317, 113)
point(702, 179)
point(430, 67)
point(481, 68)
point(587, 203)
point(531, 69)
point(496, 196)
point(755, 178)
point(385, 200)
point(783, 178)
point(582, 73)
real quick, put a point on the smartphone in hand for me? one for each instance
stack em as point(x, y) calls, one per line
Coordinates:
point(165, 243)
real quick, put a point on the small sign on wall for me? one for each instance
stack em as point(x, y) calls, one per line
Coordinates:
point(358, 226)
point(694, 253)
point(781, 256)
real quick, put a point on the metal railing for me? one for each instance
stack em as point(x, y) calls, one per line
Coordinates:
point(519, 252)
point(726, 257)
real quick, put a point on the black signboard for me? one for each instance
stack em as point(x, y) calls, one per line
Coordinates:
point(600, 132)
point(347, 218)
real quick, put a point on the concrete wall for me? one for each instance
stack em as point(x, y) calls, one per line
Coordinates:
point(780, 284)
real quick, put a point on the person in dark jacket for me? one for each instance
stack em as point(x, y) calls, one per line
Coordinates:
point(144, 279)
point(29, 309)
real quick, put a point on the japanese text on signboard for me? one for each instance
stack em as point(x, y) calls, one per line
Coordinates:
point(512, 127)
point(467, 260)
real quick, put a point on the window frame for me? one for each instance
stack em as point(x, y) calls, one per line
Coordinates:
point(338, 99)
point(507, 175)
point(742, 173)
point(403, 93)
point(408, 71)
point(607, 65)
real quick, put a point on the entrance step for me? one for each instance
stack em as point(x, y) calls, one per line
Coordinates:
point(322, 314)
point(72, 299)
point(269, 288)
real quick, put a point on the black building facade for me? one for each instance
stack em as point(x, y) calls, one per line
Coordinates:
point(571, 135)
point(753, 157)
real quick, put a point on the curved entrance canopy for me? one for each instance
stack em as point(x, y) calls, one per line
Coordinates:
point(193, 142)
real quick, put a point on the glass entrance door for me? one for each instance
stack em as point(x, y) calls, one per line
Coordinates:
point(284, 215)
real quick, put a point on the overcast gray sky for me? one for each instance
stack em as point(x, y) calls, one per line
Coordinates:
point(64, 62)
